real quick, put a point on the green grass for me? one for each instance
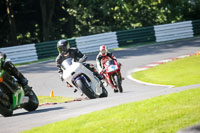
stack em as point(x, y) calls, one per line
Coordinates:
point(163, 114)
point(181, 72)
point(55, 99)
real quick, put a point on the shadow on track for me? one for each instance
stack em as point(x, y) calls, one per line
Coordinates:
point(38, 111)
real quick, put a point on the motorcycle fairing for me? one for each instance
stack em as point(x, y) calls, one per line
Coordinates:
point(72, 70)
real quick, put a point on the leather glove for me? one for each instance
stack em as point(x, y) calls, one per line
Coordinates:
point(83, 59)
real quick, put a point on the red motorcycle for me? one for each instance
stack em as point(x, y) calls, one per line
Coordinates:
point(113, 75)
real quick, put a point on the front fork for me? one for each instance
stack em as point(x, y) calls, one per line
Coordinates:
point(19, 98)
point(112, 78)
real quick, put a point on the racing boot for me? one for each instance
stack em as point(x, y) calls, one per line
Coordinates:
point(99, 76)
point(24, 83)
point(115, 90)
point(26, 87)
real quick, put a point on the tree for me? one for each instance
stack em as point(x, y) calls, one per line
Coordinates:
point(11, 18)
point(47, 10)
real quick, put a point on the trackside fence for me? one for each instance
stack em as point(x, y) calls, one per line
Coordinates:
point(196, 27)
point(91, 43)
point(49, 49)
point(173, 31)
point(134, 36)
point(21, 54)
point(88, 44)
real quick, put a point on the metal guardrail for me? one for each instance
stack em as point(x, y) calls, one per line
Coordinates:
point(88, 44)
point(49, 49)
point(21, 54)
point(134, 36)
point(196, 27)
point(173, 31)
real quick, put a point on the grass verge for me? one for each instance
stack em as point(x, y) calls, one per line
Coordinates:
point(180, 72)
point(55, 99)
point(163, 114)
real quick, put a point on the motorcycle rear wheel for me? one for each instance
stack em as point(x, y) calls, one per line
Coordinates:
point(33, 103)
point(118, 82)
point(6, 111)
point(82, 85)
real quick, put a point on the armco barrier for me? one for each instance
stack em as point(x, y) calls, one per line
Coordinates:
point(196, 27)
point(87, 44)
point(134, 36)
point(49, 49)
point(21, 54)
point(173, 31)
point(46, 49)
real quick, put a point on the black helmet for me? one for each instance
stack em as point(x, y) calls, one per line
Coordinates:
point(63, 46)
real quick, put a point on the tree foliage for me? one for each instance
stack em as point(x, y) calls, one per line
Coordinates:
point(33, 21)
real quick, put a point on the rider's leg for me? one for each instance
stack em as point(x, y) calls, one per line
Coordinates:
point(18, 75)
point(92, 68)
point(121, 75)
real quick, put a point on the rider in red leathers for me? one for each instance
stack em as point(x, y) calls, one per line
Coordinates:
point(103, 56)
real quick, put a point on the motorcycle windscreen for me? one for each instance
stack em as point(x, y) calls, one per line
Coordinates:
point(66, 63)
point(110, 62)
point(112, 68)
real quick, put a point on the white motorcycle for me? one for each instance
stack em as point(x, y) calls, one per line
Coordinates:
point(81, 78)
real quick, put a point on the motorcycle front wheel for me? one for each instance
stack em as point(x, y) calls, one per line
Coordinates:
point(33, 103)
point(118, 82)
point(83, 86)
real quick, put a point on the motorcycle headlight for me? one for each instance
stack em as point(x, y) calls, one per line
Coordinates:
point(112, 68)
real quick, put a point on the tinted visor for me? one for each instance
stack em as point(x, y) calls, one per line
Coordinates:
point(62, 49)
point(103, 52)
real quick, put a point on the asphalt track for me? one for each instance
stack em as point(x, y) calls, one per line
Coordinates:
point(44, 78)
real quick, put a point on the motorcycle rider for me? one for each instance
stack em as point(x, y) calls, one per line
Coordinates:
point(12, 70)
point(66, 52)
point(103, 56)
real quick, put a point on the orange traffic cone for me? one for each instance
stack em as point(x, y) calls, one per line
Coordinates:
point(198, 53)
point(52, 94)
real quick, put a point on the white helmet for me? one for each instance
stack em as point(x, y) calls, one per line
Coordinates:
point(103, 50)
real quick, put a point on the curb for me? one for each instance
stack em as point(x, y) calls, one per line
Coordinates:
point(153, 65)
point(54, 103)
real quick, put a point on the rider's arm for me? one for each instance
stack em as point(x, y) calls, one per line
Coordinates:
point(58, 63)
point(80, 56)
point(111, 56)
point(60, 71)
point(78, 53)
